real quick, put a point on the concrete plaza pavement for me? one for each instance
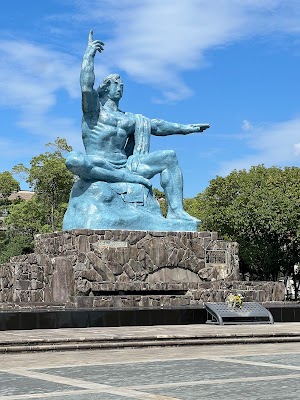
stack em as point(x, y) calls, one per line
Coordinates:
point(256, 370)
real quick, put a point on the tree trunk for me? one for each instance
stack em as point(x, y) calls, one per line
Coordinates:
point(52, 217)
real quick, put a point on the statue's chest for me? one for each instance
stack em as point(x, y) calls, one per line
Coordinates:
point(117, 119)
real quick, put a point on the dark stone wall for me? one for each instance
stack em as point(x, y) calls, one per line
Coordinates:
point(87, 268)
point(127, 256)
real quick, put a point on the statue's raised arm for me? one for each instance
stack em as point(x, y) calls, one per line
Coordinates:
point(90, 101)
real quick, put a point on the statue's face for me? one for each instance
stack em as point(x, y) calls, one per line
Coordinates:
point(115, 89)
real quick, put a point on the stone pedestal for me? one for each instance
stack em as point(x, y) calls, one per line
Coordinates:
point(121, 269)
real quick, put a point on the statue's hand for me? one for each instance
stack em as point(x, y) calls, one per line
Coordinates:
point(192, 128)
point(140, 179)
point(93, 46)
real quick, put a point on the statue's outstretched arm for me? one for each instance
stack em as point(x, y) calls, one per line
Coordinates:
point(90, 101)
point(160, 127)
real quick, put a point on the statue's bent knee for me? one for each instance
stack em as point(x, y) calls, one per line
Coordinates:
point(170, 157)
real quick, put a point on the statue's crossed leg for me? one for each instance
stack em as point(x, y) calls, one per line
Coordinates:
point(138, 169)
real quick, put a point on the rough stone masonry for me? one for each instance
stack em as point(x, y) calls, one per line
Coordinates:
point(118, 268)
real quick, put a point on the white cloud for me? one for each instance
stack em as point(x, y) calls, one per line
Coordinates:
point(246, 125)
point(30, 78)
point(273, 144)
point(39, 65)
point(297, 149)
point(155, 41)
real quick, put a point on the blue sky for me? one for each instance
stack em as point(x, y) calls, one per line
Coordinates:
point(232, 63)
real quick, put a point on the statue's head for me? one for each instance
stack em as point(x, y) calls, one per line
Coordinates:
point(110, 88)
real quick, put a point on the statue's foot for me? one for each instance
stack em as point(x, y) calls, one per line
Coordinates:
point(181, 215)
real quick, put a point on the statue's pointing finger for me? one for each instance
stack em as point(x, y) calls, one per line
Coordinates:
point(97, 44)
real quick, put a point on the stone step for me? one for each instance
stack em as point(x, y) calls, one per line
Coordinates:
point(165, 286)
point(200, 296)
point(163, 298)
point(139, 286)
point(147, 341)
point(141, 294)
point(132, 301)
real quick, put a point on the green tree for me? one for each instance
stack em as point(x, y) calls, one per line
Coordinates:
point(51, 182)
point(14, 244)
point(193, 207)
point(8, 185)
point(161, 198)
point(60, 145)
point(29, 217)
point(259, 209)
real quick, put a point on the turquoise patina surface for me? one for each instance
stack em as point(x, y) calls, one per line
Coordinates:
point(114, 189)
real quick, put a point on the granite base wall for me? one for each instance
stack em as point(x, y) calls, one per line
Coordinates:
point(92, 269)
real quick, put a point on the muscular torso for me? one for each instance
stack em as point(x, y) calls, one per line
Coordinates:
point(105, 134)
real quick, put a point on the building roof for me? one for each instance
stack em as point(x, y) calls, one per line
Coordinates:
point(22, 194)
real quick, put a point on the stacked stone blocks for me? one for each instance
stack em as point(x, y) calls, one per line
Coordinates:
point(121, 269)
